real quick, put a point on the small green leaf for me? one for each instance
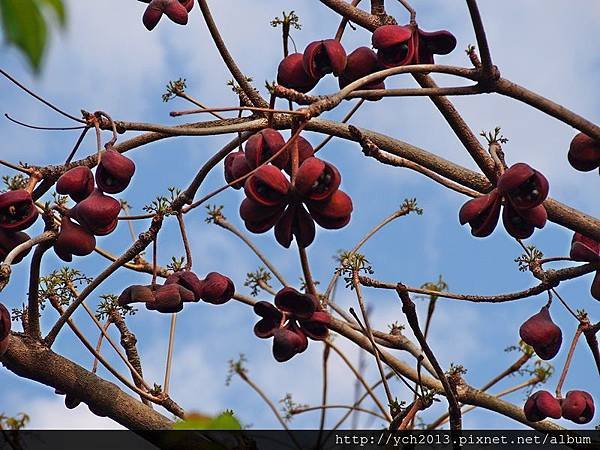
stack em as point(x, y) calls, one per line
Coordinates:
point(25, 27)
point(224, 421)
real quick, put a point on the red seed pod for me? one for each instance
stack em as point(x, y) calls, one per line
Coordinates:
point(578, 407)
point(323, 57)
point(395, 45)
point(481, 213)
point(258, 218)
point(316, 327)
point(333, 213)
point(296, 304)
point(134, 294)
point(525, 187)
point(114, 171)
point(188, 280)
point(263, 145)
point(595, 289)
point(305, 151)
point(361, 62)
point(291, 74)
point(271, 319)
point(520, 223)
point(77, 183)
point(288, 342)
point(5, 326)
point(267, 187)
point(540, 405)
point(317, 180)
point(9, 240)
point(236, 166)
point(97, 213)
point(584, 153)
point(542, 334)
point(169, 298)
point(174, 10)
point(584, 248)
point(435, 42)
point(295, 221)
point(73, 239)
point(17, 210)
point(217, 289)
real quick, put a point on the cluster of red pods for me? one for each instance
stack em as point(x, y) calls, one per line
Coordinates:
point(271, 199)
point(95, 213)
point(396, 46)
point(293, 319)
point(176, 10)
point(179, 288)
point(545, 337)
point(523, 190)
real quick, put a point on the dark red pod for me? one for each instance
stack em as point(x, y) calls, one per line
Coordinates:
point(288, 342)
point(217, 289)
point(271, 319)
point(73, 239)
point(323, 57)
point(540, 405)
point(584, 248)
point(114, 171)
point(305, 151)
point(435, 42)
point(334, 213)
point(520, 223)
point(584, 153)
point(174, 10)
point(595, 289)
point(291, 74)
point(542, 334)
point(77, 183)
point(578, 407)
point(257, 218)
point(361, 62)
point(136, 293)
point(263, 145)
point(316, 327)
point(5, 326)
point(295, 221)
point(525, 186)
point(169, 298)
point(395, 45)
point(267, 187)
point(188, 4)
point(9, 240)
point(317, 180)
point(97, 213)
point(481, 213)
point(17, 210)
point(188, 280)
point(296, 304)
point(236, 166)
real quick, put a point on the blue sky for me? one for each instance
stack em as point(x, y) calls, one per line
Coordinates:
point(107, 60)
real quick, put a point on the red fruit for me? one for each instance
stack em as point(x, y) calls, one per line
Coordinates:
point(520, 223)
point(188, 4)
point(526, 187)
point(258, 218)
point(97, 213)
point(542, 334)
point(540, 405)
point(323, 57)
point(291, 74)
point(236, 166)
point(317, 180)
point(169, 298)
point(481, 214)
point(271, 319)
point(584, 153)
point(288, 342)
point(317, 326)
point(174, 10)
point(296, 304)
point(361, 62)
point(9, 240)
point(436, 42)
point(17, 210)
point(267, 187)
point(263, 145)
point(584, 248)
point(217, 289)
point(5, 325)
point(114, 171)
point(295, 221)
point(134, 294)
point(334, 213)
point(395, 45)
point(78, 183)
point(305, 151)
point(578, 407)
point(73, 240)
point(188, 280)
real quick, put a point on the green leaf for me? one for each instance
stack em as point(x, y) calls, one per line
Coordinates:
point(25, 27)
point(224, 421)
point(59, 10)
